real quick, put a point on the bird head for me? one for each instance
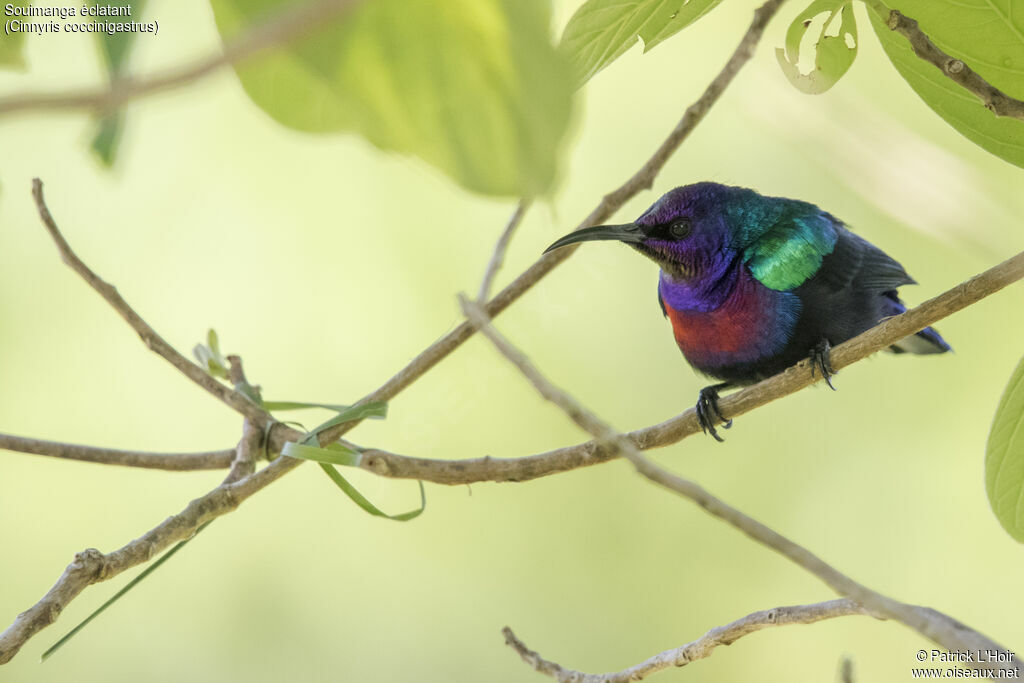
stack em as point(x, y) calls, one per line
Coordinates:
point(685, 232)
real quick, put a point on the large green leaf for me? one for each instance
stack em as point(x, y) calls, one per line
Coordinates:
point(986, 35)
point(1004, 457)
point(12, 45)
point(474, 87)
point(602, 30)
point(834, 51)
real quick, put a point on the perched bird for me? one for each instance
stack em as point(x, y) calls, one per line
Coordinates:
point(754, 284)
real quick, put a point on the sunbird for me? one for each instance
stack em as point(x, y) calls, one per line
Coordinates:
point(753, 284)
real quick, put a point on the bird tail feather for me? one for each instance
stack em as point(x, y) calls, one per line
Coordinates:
point(924, 342)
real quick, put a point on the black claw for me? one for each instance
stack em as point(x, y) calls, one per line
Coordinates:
point(821, 359)
point(708, 414)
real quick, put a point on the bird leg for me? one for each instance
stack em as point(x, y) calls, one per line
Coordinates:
point(821, 359)
point(708, 414)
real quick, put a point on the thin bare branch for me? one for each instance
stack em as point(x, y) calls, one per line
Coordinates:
point(498, 258)
point(149, 336)
point(697, 649)
point(175, 462)
point(944, 630)
point(277, 30)
point(956, 70)
point(247, 451)
point(681, 426)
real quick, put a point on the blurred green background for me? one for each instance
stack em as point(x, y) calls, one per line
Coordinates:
point(328, 265)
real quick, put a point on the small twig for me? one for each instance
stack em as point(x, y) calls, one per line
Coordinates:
point(175, 462)
point(498, 258)
point(149, 336)
point(697, 649)
point(277, 30)
point(248, 448)
point(944, 630)
point(956, 70)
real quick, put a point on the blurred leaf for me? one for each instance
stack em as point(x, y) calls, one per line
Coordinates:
point(1004, 457)
point(107, 137)
point(833, 54)
point(474, 87)
point(362, 502)
point(601, 31)
point(12, 45)
point(115, 50)
point(985, 37)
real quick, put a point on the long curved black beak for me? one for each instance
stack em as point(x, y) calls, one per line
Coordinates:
point(629, 232)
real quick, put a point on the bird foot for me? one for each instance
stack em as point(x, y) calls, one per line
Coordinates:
point(708, 414)
point(821, 360)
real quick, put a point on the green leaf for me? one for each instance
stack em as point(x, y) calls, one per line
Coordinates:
point(834, 51)
point(107, 137)
point(987, 38)
point(299, 405)
point(115, 49)
point(601, 31)
point(336, 454)
point(1004, 457)
point(332, 454)
point(12, 45)
point(362, 502)
point(210, 357)
point(362, 411)
point(473, 87)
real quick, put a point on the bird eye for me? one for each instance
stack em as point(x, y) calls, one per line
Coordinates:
point(680, 228)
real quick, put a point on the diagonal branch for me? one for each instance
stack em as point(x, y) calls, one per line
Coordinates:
point(992, 98)
point(278, 30)
point(698, 649)
point(498, 258)
point(681, 426)
point(177, 462)
point(149, 336)
point(931, 624)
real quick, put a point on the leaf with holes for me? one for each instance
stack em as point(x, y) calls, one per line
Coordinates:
point(601, 31)
point(985, 35)
point(1004, 457)
point(834, 51)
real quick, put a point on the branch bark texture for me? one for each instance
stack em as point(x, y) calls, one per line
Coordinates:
point(695, 650)
point(958, 71)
